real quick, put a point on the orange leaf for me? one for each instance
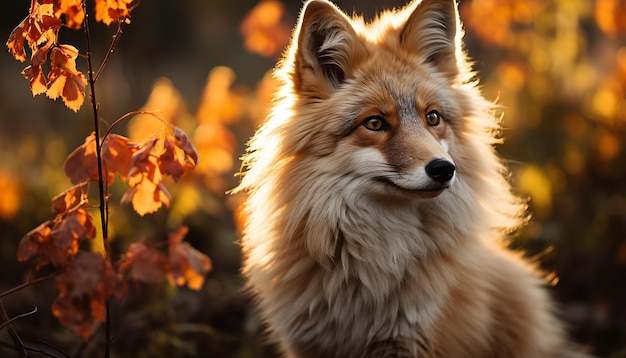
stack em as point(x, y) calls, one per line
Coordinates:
point(188, 265)
point(179, 155)
point(34, 75)
point(39, 246)
point(108, 11)
point(143, 163)
point(73, 12)
point(146, 193)
point(41, 24)
point(82, 164)
point(56, 241)
point(221, 103)
point(65, 80)
point(147, 197)
point(217, 145)
point(75, 225)
point(266, 28)
point(30, 245)
point(117, 152)
point(71, 198)
point(12, 194)
point(88, 282)
point(41, 54)
point(144, 263)
point(16, 42)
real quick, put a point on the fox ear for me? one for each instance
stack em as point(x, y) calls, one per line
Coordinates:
point(327, 48)
point(433, 32)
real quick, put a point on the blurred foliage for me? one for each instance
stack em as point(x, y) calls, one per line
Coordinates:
point(558, 68)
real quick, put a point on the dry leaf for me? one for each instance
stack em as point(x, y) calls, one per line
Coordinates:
point(65, 80)
point(35, 77)
point(71, 198)
point(82, 164)
point(41, 25)
point(147, 192)
point(31, 246)
point(75, 225)
point(15, 44)
point(88, 282)
point(108, 11)
point(188, 265)
point(73, 12)
point(147, 197)
point(179, 155)
point(117, 152)
point(144, 263)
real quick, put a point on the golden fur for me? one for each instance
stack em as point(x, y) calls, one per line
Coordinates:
point(350, 250)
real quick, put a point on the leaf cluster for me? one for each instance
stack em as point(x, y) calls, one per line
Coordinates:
point(39, 32)
point(86, 281)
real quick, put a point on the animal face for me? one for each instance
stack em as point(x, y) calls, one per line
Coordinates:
point(377, 102)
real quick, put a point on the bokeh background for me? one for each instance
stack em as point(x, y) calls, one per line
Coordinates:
point(557, 67)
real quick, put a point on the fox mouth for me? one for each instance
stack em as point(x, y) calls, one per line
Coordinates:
point(429, 191)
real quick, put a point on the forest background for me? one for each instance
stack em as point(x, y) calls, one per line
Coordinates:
point(558, 68)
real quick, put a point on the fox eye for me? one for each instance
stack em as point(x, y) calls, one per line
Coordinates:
point(433, 118)
point(375, 123)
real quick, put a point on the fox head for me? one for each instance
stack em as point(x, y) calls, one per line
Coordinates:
point(373, 119)
point(379, 96)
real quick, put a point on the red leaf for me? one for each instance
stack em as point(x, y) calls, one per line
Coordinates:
point(30, 244)
point(117, 153)
point(41, 25)
point(88, 282)
point(56, 241)
point(188, 265)
point(179, 155)
point(71, 198)
point(144, 263)
point(39, 246)
point(75, 225)
point(82, 164)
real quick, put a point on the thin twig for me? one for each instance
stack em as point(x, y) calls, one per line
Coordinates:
point(26, 284)
point(116, 38)
point(122, 118)
point(30, 349)
point(17, 341)
point(101, 183)
point(8, 322)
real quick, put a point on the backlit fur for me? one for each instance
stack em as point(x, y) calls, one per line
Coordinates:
point(350, 248)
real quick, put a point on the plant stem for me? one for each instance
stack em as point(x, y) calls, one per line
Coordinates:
point(25, 284)
point(116, 38)
point(101, 183)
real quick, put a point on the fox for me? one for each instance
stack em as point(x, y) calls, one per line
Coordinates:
point(376, 205)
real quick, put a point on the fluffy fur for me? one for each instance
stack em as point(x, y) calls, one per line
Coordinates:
point(351, 248)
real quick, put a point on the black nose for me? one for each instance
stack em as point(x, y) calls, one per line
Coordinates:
point(440, 170)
